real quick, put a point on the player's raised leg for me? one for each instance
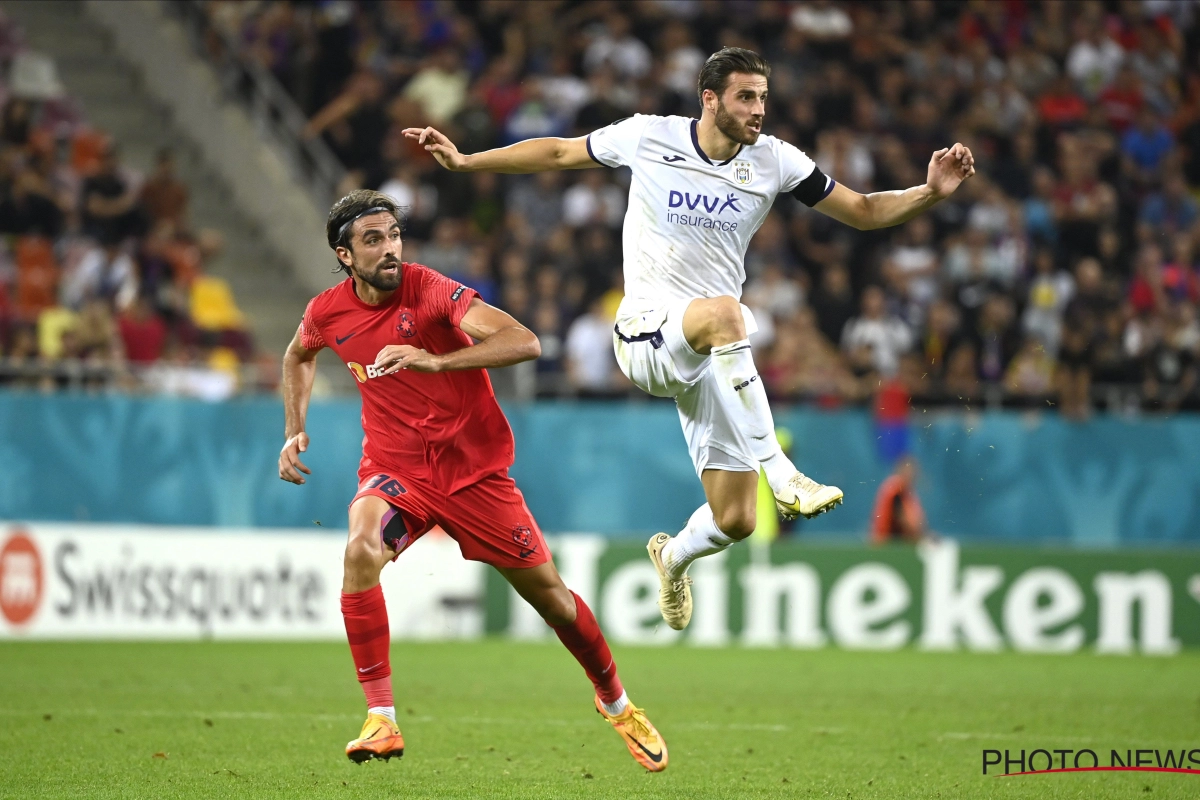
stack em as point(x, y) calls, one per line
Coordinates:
point(577, 629)
point(372, 520)
point(715, 326)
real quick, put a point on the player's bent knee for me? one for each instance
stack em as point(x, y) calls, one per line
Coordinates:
point(362, 555)
point(713, 322)
point(558, 607)
point(736, 523)
point(726, 323)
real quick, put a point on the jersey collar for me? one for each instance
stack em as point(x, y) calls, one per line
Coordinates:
point(699, 152)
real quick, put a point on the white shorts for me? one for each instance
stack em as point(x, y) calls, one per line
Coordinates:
point(660, 362)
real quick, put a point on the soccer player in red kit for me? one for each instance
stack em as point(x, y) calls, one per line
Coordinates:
point(436, 451)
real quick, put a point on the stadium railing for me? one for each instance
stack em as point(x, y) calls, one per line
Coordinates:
point(274, 112)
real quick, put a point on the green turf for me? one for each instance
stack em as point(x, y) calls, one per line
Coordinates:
point(496, 719)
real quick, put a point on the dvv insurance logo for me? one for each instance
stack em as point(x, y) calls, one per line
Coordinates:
point(21, 579)
point(1050, 761)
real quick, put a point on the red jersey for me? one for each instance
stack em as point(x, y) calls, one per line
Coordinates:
point(446, 427)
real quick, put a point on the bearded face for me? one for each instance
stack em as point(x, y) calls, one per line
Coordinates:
point(384, 276)
point(743, 130)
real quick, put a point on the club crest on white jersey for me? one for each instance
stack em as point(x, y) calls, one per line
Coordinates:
point(743, 173)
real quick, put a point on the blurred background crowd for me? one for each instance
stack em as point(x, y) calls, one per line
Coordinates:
point(1065, 274)
point(102, 278)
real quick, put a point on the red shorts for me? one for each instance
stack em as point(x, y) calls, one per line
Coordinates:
point(488, 519)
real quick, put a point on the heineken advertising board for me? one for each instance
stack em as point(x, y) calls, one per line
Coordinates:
point(936, 597)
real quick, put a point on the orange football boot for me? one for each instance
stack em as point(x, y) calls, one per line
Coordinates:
point(380, 738)
point(640, 736)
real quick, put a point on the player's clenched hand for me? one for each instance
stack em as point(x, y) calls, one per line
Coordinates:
point(440, 146)
point(949, 167)
point(396, 357)
point(290, 465)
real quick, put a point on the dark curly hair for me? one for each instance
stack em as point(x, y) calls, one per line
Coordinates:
point(726, 61)
point(358, 203)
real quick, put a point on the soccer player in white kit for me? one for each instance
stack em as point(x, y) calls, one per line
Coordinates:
point(700, 190)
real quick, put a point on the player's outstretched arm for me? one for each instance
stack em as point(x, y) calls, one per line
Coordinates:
point(502, 341)
point(299, 369)
point(532, 155)
point(948, 168)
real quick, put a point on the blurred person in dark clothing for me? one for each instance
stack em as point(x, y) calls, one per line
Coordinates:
point(1082, 320)
point(995, 337)
point(27, 206)
point(1170, 366)
point(941, 330)
point(354, 124)
point(962, 373)
point(833, 301)
point(602, 109)
point(110, 202)
point(16, 122)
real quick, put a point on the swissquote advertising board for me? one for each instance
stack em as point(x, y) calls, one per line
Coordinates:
point(127, 582)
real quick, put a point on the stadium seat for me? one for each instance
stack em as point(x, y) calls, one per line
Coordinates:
point(212, 305)
point(37, 276)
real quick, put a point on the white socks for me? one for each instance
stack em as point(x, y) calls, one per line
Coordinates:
point(617, 706)
point(385, 711)
point(701, 537)
point(746, 401)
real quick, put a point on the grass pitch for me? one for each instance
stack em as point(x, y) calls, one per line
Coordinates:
point(497, 719)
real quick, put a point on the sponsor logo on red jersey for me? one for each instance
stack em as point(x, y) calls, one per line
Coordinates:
point(363, 374)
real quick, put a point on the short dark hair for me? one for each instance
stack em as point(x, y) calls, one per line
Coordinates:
point(358, 203)
point(726, 61)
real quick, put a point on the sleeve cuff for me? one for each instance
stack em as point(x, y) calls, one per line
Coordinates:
point(591, 155)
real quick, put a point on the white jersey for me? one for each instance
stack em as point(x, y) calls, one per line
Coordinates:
point(689, 220)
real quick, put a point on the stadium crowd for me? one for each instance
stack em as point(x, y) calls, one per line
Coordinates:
point(102, 278)
point(1067, 265)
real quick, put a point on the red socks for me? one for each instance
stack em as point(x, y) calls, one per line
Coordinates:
point(367, 630)
point(585, 641)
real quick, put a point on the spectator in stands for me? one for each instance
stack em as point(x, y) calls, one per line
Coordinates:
point(1049, 292)
point(1170, 364)
point(16, 122)
point(440, 87)
point(110, 202)
point(537, 202)
point(354, 124)
point(593, 200)
point(775, 293)
point(994, 337)
point(618, 48)
point(164, 196)
point(106, 272)
point(591, 366)
point(1145, 146)
point(1094, 59)
point(834, 301)
point(143, 333)
point(876, 339)
point(1171, 210)
point(28, 207)
point(911, 269)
